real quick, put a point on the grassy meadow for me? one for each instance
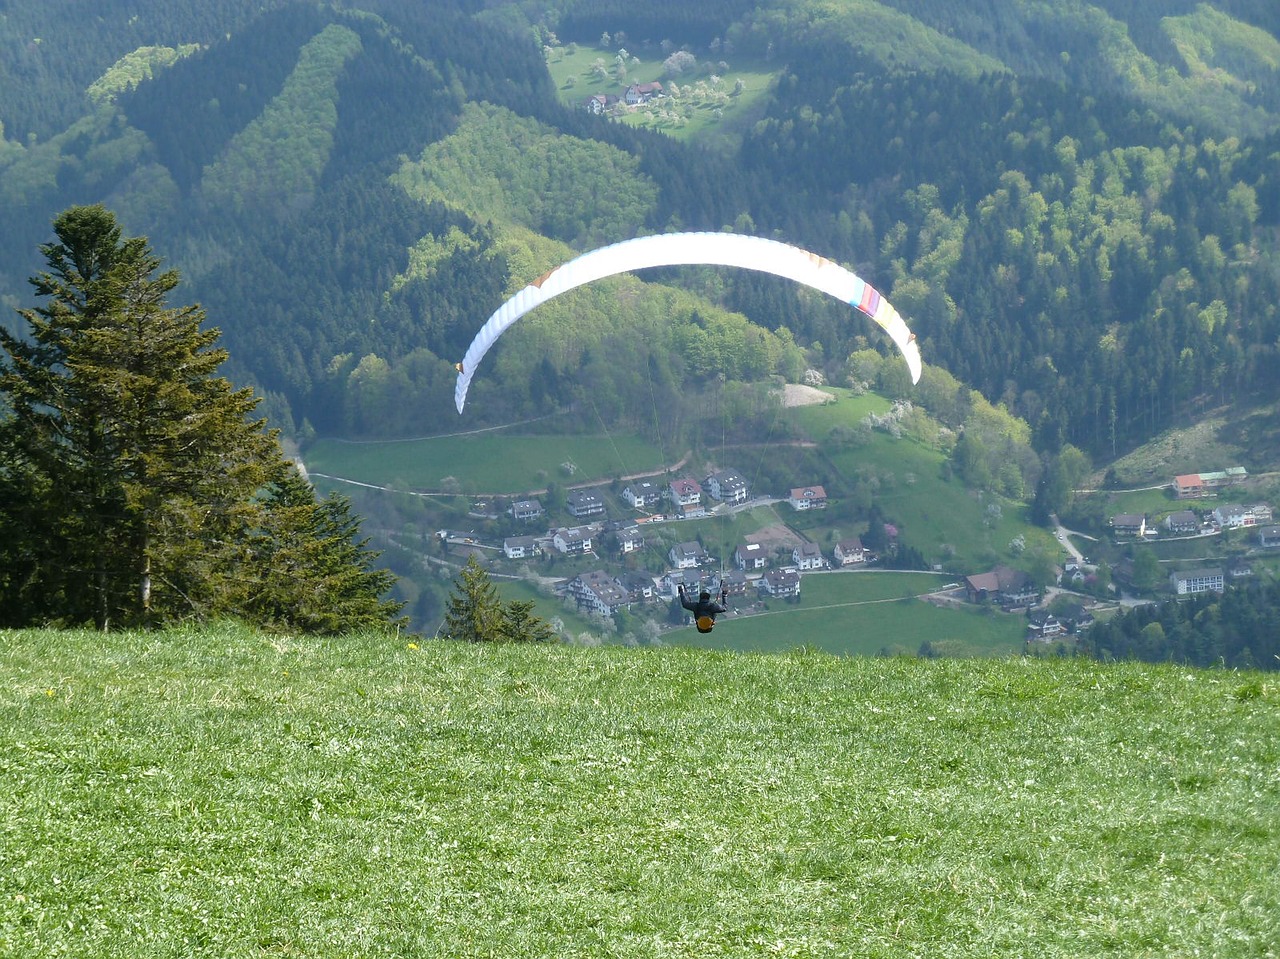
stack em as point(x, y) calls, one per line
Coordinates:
point(222, 793)
point(935, 515)
point(865, 614)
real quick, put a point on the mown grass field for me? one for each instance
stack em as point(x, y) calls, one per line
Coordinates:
point(864, 614)
point(220, 793)
point(1155, 503)
point(848, 409)
point(484, 463)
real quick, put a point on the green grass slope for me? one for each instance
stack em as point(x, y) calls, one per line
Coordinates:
point(494, 463)
point(223, 793)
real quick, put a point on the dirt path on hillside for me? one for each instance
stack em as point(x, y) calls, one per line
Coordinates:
point(679, 464)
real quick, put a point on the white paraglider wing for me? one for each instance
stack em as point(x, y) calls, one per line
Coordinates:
point(686, 249)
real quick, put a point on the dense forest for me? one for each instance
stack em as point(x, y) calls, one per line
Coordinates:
point(1239, 628)
point(1075, 205)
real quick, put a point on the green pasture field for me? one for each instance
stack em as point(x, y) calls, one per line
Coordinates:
point(217, 792)
point(1188, 548)
point(878, 627)
point(865, 614)
point(928, 510)
point(483, 463)
point(931, 512)
point(685, 118)
point(1155, 503)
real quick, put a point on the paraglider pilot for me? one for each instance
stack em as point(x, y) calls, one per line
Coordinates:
point(704, 610)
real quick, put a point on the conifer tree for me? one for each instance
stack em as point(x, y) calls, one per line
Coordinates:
point(477, 614)
point(305, 568)
point(132, 475)
point(521, 625)
point(475, 610)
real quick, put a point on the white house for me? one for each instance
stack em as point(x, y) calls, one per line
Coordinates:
point(687, 555)
point(808, 497)
point(584, 502)
point(520, 547)
point(600, 103)
point(750, 556)
point(629, 539)
point(728, 486)
point(685, 493)
point(850, 551)
point(599, 592)
point(642, 494)
point(780, 583)
point(573, 540)
point(1232, 516)
point(808, 556)
point(526, 509)
point(642, 92)
point(1041, 624)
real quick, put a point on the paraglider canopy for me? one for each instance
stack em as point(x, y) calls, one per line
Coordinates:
point(688, 249)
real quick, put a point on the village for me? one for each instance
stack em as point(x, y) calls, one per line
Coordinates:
point(763, 566)
point(758, 568)
point(1251, 522)
point(768, 564)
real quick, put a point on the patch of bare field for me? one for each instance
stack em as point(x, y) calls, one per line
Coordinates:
point(771, 537)
point(796, 394)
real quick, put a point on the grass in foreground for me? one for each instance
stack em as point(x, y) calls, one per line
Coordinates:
point(222, 793)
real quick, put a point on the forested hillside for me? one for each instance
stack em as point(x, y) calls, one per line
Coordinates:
point(1075, 204)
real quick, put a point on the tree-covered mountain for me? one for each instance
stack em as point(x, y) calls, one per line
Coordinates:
point(1075, 203)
